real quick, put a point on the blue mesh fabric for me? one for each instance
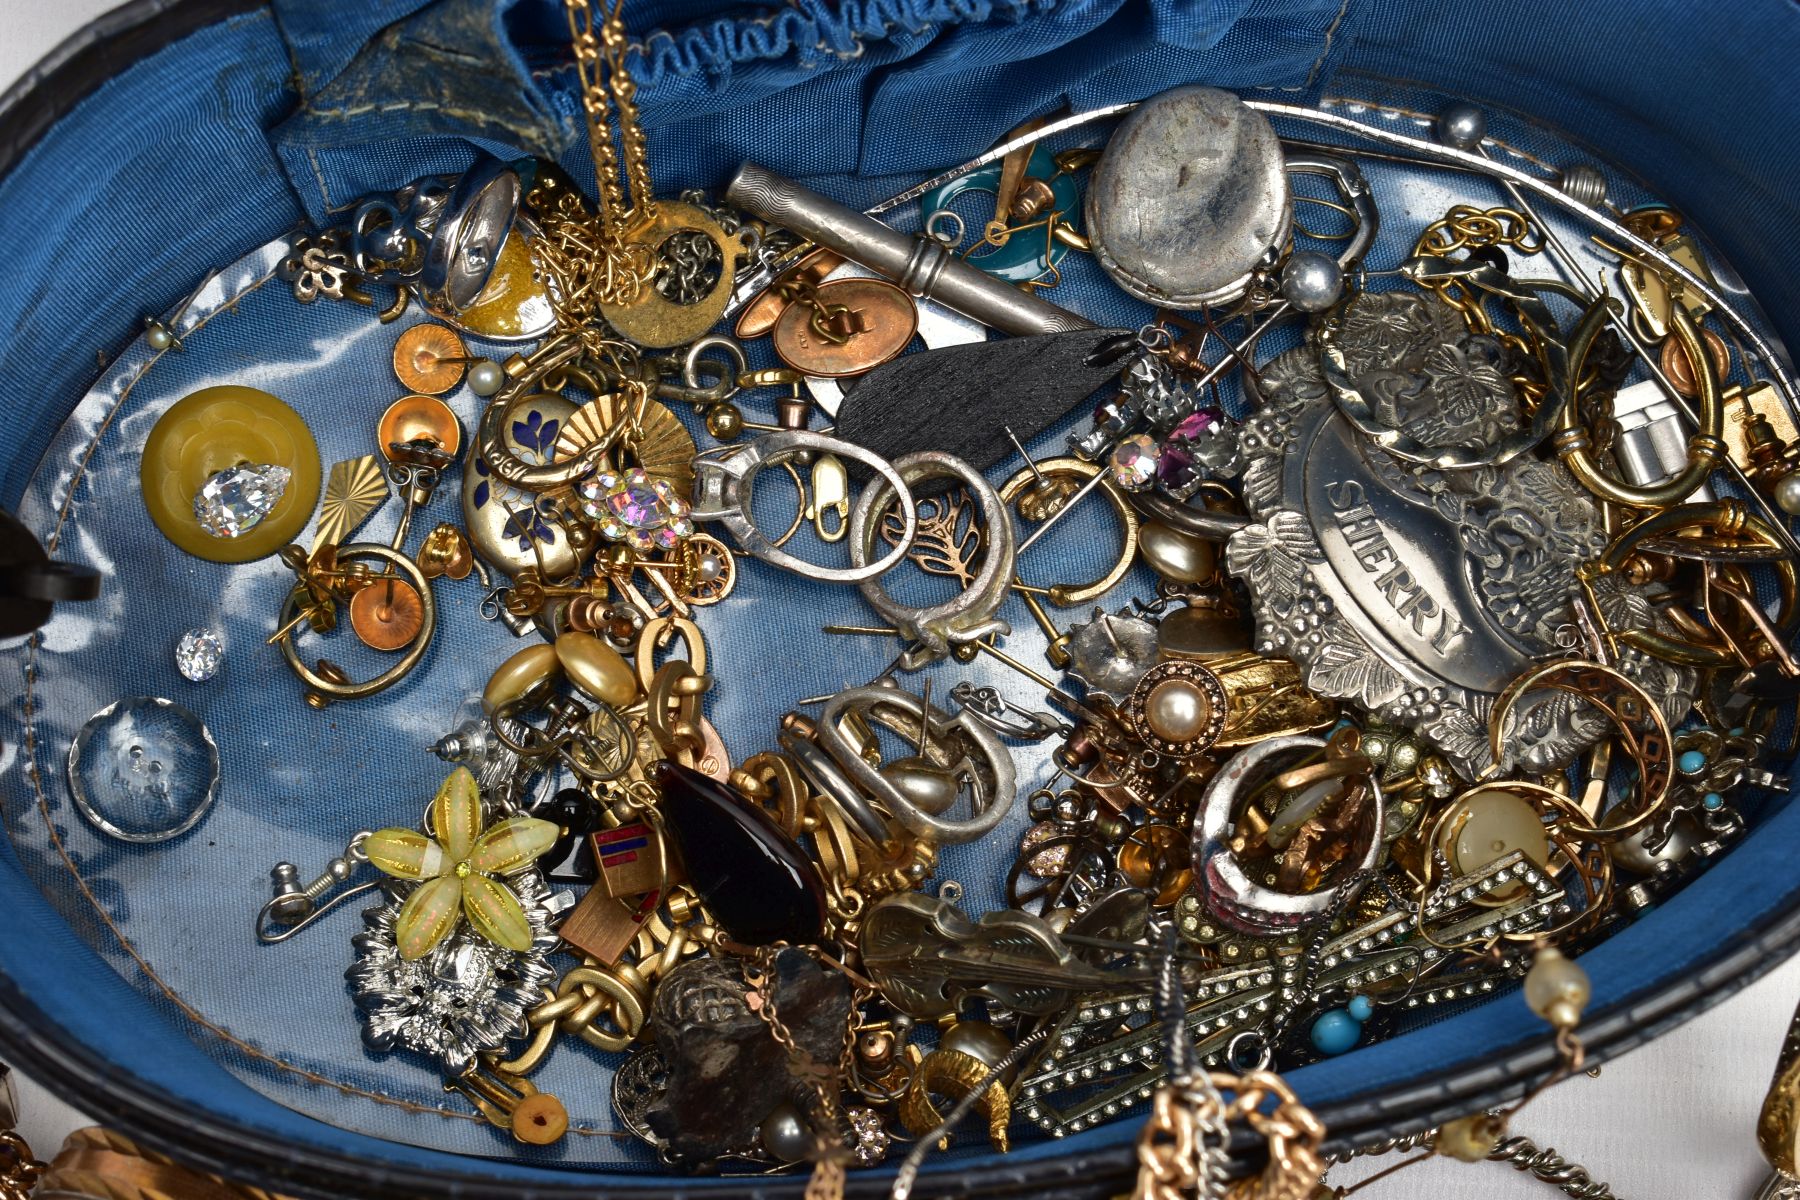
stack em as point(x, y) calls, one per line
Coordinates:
point(168, 172)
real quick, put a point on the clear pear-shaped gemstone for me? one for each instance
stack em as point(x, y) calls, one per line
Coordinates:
point(234, 501)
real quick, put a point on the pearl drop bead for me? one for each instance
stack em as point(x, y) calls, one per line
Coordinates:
point(159, 338)
point(1469, 1139)
point(1556, 989)
point(1177, 710)
point(1176, 555)
point(1311, 281)
point(1462, 126)
point(1787, 494)
point(485, 378)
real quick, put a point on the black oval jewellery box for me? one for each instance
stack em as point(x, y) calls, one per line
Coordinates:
point(884, 597)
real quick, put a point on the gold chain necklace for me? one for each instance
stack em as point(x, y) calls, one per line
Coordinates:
point(601, 265)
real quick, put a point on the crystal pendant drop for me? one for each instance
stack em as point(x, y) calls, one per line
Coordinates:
point(234, 501)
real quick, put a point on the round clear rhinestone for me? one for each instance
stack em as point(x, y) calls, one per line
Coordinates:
point(199, 655)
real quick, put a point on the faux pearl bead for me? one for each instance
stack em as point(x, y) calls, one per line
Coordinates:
point(1462, 126)
point(485, 378)
point(1176, 555)
point(1311, 281)
point(1556, 989)
point(977, 1039)
point(159, 338)
point(1631, 853)
point(785, 1135)
point(519, 675)
point(1177, 710)
point(925, 785)
point(1787, 494)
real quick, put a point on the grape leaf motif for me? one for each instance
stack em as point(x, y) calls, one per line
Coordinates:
point(1352, 672)
point(1274, 556)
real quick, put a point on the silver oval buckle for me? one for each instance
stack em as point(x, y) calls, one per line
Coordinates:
point(723, 493)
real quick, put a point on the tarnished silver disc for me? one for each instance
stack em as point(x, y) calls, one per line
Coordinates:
point(1189, 198)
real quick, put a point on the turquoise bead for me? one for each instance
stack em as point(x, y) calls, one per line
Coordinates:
point(1713, 801)
point(1360, 1008)
point(1335, 1032)
point(1691, 762)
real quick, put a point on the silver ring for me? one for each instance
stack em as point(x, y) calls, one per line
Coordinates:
point(1227, 892)
point(966, 617)
point(464, 247)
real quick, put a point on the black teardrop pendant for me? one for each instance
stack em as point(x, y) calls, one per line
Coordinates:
point(754, 881)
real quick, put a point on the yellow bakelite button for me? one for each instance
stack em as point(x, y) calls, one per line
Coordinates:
point(213, 430)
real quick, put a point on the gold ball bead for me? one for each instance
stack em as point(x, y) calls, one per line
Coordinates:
point(724, 421)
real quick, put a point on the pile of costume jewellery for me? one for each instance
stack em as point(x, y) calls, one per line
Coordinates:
point(1461, 647)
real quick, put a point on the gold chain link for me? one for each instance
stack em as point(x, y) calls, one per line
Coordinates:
point(1464, 228)
point(588, 260)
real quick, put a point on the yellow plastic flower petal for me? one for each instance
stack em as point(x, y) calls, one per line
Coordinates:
point(428, 916)
point(407, 854)
point(513, 844)
point(456, 814)
point(495, 912)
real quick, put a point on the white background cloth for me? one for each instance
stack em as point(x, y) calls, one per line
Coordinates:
point(1674, 1120)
